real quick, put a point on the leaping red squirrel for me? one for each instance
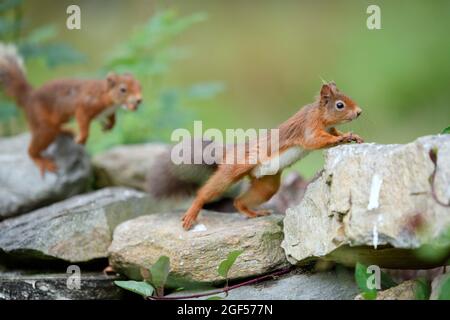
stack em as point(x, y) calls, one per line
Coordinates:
point(311, 128)
point(49, 107)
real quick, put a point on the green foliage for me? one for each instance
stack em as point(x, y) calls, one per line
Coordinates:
point(446, 130)
point(225, 265)
point(39, 43)
point(140, 287)
point(155, 279)
point(362, 276)
point(444, 289)
point(386, 281)
point(149, 51)
point(158, 277)
point(423, 289)
point(149, 54)
point(158, 274)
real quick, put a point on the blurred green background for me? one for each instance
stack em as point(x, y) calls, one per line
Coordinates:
point(252, 64)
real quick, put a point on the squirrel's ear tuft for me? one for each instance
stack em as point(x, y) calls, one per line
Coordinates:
point(328, 89)
point(325, 91)
point(112, 79)
point(333, 87)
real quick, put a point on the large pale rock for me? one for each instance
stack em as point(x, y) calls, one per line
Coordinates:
point(373, 196)
point(127, 165)
point(195, 255)
point(76, 230)
point(21, 186)
point(330, 285)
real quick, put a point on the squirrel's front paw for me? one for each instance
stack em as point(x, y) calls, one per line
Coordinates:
point(351, 137)
point(358, 139)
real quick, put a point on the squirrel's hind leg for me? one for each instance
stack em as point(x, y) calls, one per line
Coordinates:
point(219, 182)
point(260, 191)
point(40, 140)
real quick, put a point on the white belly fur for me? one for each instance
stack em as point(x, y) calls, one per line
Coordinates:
point(279, 162)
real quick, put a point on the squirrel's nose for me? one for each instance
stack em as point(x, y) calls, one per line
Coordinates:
point(358, 112)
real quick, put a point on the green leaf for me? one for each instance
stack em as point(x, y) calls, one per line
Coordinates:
point(386, 281)
point(446, 130)
point(140, 287)
point(159, 272)
point(444, 289)
point(41, 34)
point(423, 290)
point(361, 277)
point(7, 27)
point(369, 295)
point(215, 298)
point(54, 54)
point(226, 264)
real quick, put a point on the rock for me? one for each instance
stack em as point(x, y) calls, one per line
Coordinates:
point(196, 254)
point(374, 204)
point(75, 230)
point(404, 291)
point(127, 166)
point(21, 186)
point(331, 285)
point(54, 286)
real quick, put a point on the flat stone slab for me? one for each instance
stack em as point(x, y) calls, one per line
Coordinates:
point(22, 188)
point(196, 254)
point(330, 285)
point(76, 230)
point(374, 204)
point(58, 286)
point(127, 166)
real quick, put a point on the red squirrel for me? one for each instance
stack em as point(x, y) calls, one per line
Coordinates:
point(311, 128)
point(49, 107)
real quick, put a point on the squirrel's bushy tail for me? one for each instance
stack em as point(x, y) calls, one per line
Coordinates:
point(12, 74)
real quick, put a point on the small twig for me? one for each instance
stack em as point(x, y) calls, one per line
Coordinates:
point(433, 157)
point(227, 288)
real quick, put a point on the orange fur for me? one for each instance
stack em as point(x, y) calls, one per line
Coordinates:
point(311, 128)
point(55, 103)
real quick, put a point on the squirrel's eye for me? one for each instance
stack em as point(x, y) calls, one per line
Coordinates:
point(123, 89)
point(340, 105)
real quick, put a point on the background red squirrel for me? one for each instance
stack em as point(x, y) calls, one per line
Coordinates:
point(49, 107)
point(309, 129)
